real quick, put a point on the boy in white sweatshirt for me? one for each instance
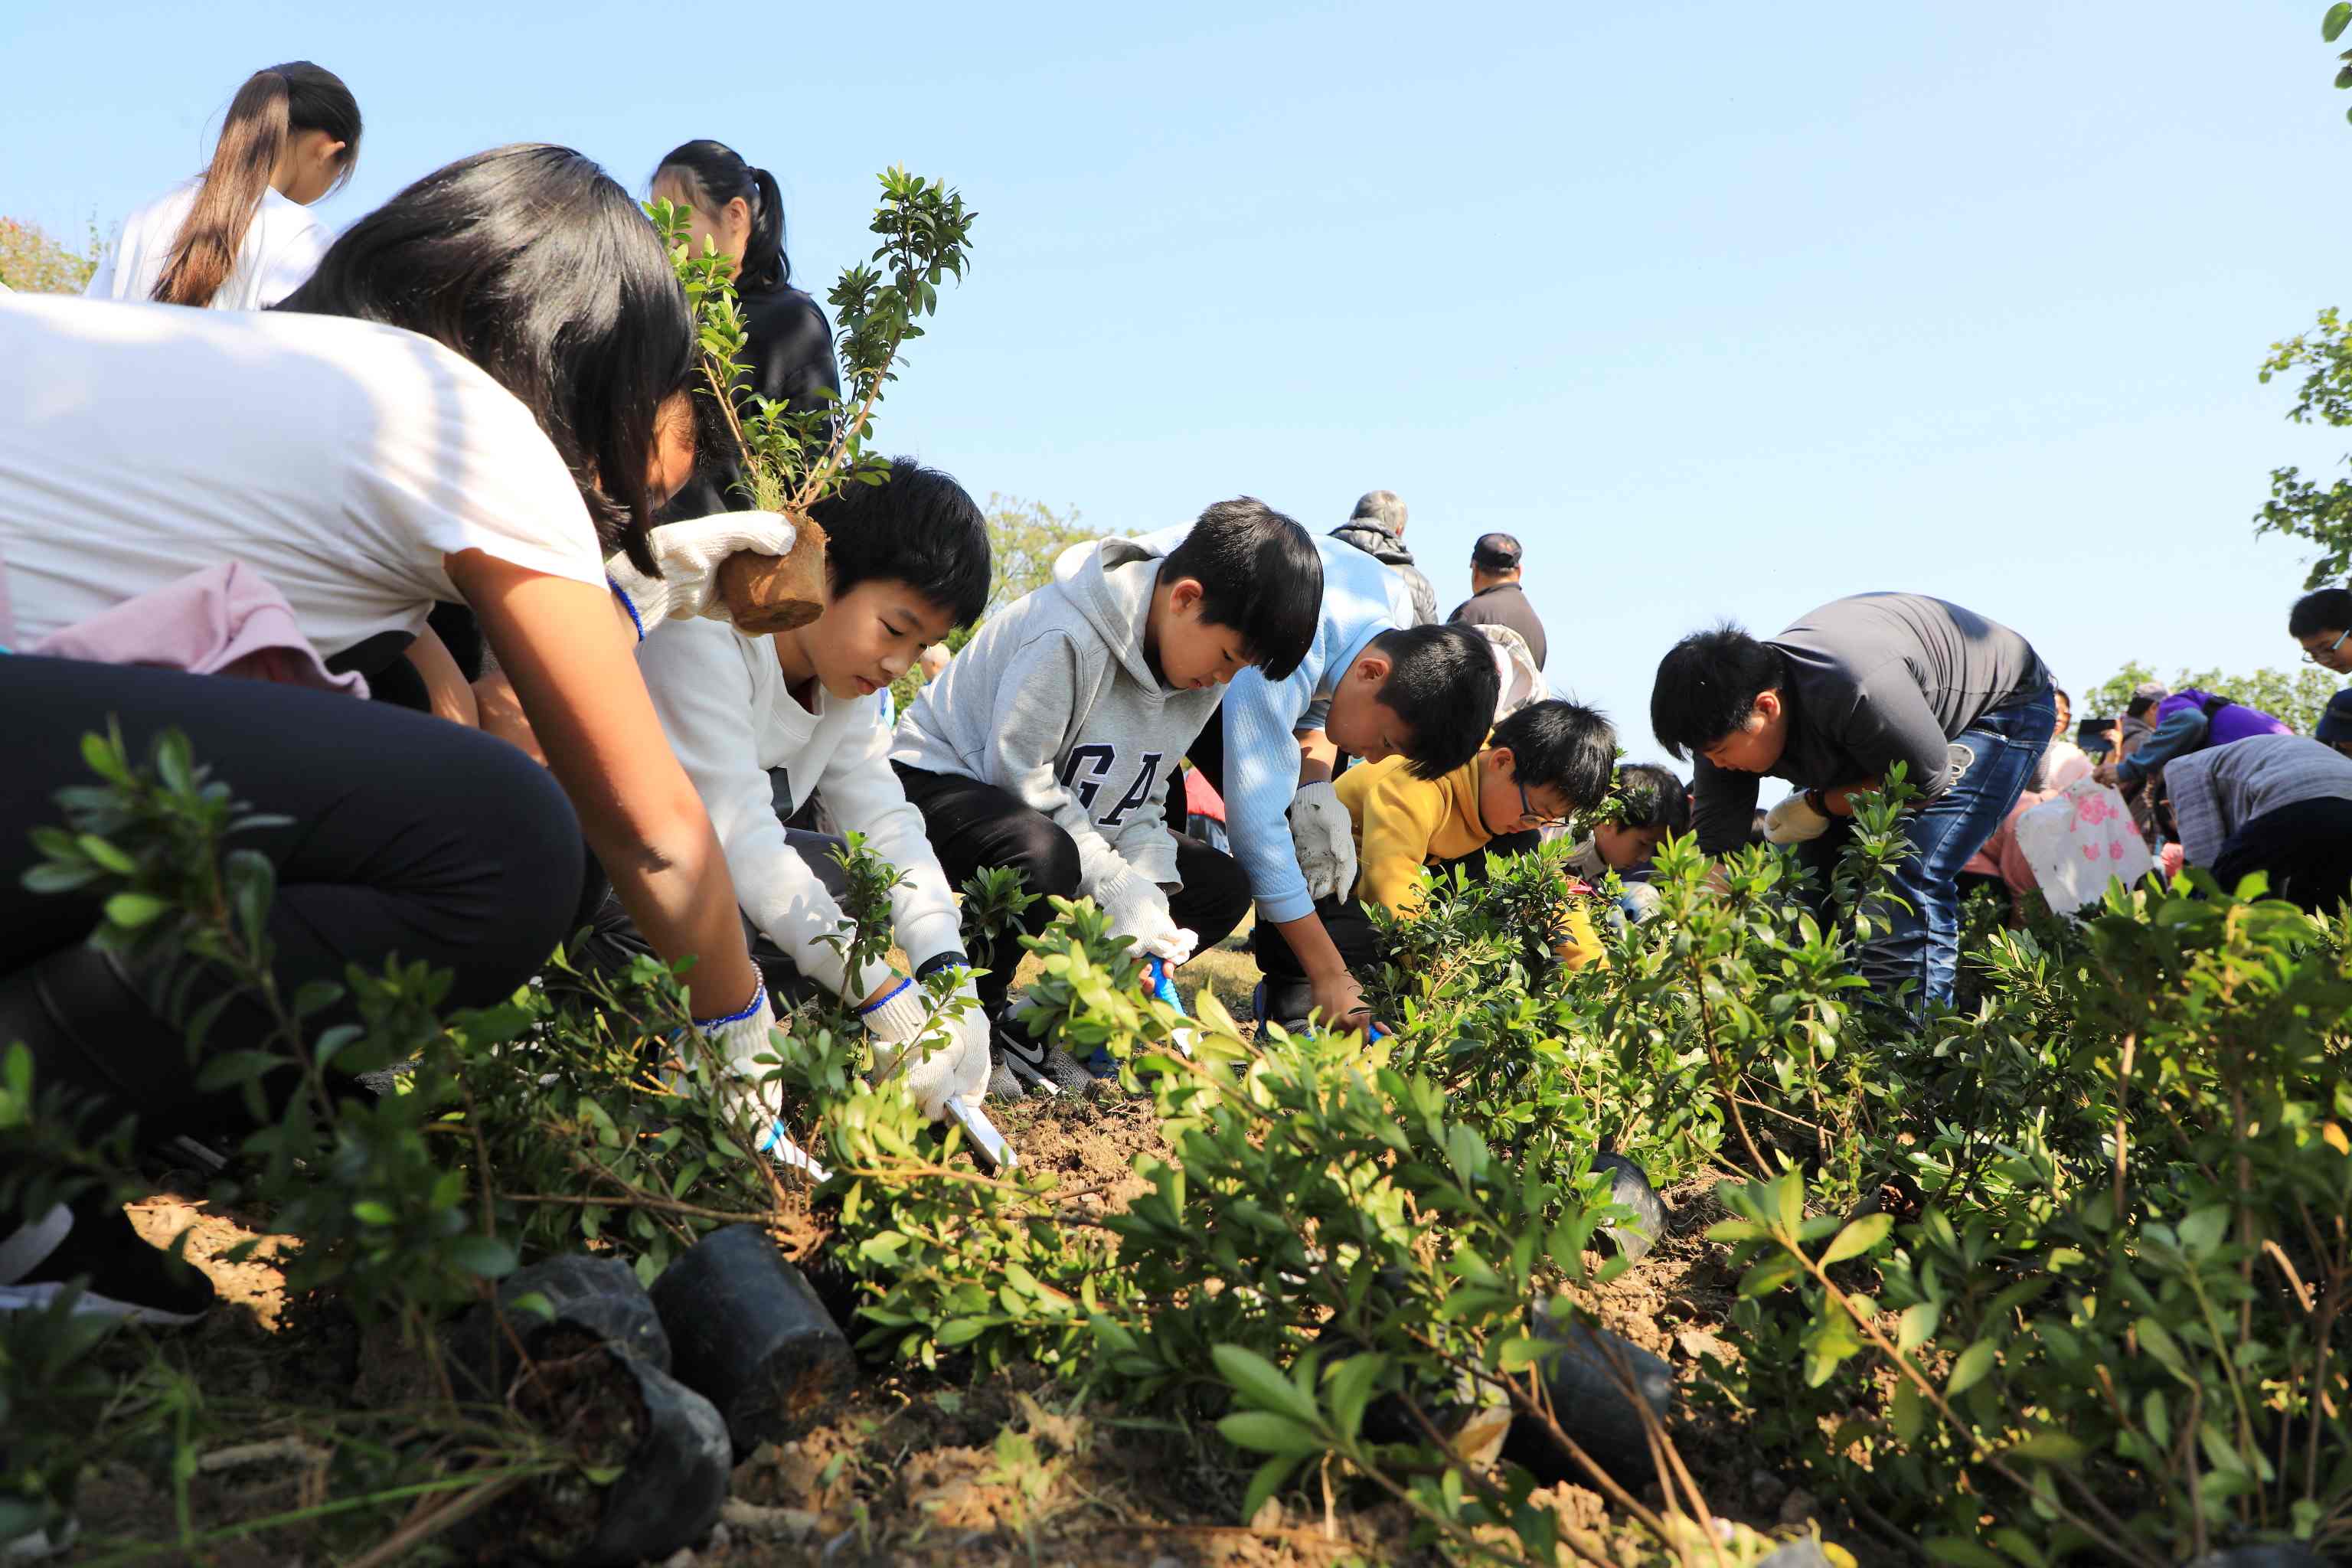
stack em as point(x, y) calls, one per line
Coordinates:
point(763, 724)
point(1046, 742)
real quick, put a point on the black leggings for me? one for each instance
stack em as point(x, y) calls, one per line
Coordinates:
point(403, 835)
point(1287, 994)
point(972, 825)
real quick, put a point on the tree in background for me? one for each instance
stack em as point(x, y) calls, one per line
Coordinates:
point(1023, 539)
point(2298, 698)
point(2298, 508)
point(33, 263)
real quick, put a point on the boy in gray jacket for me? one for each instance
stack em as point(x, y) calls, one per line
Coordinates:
point(1047, 741)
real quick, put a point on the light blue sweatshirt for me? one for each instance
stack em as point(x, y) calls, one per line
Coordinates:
point(1263, 718)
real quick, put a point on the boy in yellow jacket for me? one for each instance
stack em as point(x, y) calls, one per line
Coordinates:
point(1542, 765)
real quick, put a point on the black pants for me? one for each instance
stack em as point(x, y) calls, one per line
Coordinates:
point(613, 941)
point(405, 835)
point(2306, 848)
point(1287, 994)
point(972, 825)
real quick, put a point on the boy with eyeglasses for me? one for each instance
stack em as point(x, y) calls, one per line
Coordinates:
point(2319, 623)
point(1540, 767)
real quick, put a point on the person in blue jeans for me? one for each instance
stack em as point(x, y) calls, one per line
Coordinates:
point(1832, 704)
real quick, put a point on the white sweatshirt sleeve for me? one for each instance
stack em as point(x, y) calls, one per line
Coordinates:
point(701, 675)
point(866, 797)
point(1035, 696)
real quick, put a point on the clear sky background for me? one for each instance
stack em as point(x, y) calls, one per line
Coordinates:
point(1723, 310)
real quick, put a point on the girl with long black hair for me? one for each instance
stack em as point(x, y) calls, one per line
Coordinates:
point(789, 356)
point(239, 236)
point(481, 397)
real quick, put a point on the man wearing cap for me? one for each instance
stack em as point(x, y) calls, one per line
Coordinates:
point(1496, 597)
point(1377, 528)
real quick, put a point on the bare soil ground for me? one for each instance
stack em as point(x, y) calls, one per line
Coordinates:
point(916, 1466)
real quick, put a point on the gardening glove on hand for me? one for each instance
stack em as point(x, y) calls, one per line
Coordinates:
point(941, 1069)
point(1325, 840)
point(1794, 822)
point(1137, 908)
point(740, 1039)
point(689, 555)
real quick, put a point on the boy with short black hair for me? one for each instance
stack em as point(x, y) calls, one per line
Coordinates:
point(1652, 805)
point(763, 724)
point(1367, 688)
point(1047, 741)
point(2321, 622)
point(1540, 767)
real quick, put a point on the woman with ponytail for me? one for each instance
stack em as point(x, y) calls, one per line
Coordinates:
point(790, 354)
point(239, 236)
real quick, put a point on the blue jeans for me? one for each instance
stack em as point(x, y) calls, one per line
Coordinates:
point(1920, 945)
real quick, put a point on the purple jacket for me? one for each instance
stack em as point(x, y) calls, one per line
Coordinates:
point(2236, 722)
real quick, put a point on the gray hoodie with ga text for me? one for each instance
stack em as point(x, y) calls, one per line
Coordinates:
point(1053, 702)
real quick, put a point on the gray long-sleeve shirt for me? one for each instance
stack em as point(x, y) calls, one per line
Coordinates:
point(1869, 681)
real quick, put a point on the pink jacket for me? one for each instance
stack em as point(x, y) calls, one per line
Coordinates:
point(224, 620)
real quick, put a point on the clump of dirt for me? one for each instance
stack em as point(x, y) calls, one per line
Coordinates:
point(1089, 1145)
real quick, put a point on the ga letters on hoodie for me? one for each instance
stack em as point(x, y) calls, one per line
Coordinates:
point(1053, 702)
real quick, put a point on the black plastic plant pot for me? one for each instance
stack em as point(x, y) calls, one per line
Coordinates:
point(676, 1482)
point(1632, 1190)
point(748, 1332)
point(596, 1296)
point(1591, 1407)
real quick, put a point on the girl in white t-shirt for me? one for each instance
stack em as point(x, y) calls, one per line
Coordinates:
point(479, 398)
point(239, 236)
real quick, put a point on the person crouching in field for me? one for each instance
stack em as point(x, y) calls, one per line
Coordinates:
point(763, 724)
point(481, 396)
point(1046, 743)
point(1832, 704)
point(1373, 685)
point(1541, 766)
point(1652, 805)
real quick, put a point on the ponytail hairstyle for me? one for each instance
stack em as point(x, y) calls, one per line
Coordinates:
point(271, 105)
point(714, 175)
point(534, 263)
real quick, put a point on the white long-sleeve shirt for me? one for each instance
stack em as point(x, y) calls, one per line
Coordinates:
point(723, 703)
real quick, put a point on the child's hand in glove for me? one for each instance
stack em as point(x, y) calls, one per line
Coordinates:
point(689, 555)
point(1326, 842)
point(950, 1056)
point(1794, 821)
point(740, 1039)
point(1137, 908)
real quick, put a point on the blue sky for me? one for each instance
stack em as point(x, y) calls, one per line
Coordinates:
point(1722, 311)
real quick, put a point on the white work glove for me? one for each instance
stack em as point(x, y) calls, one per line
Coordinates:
point(740, 1040)
point(690, 554)
point(1135, 908)
point(1794, 822)
point(952, 1061)
point(1325, 840)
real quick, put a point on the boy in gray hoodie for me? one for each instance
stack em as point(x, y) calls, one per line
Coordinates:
point(1047, 741)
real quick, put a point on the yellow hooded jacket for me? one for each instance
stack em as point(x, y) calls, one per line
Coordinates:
point(1403, 823)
